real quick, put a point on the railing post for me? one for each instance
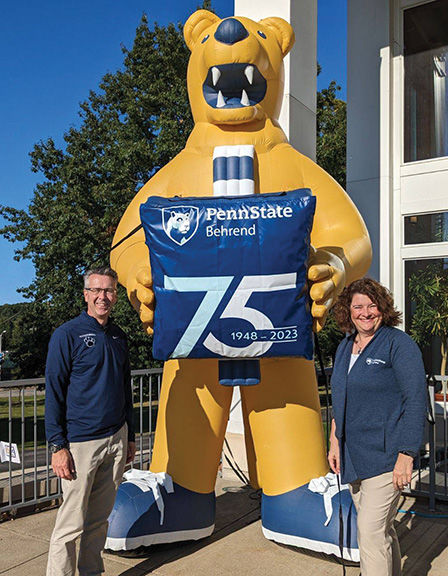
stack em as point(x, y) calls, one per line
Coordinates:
point(432, 444)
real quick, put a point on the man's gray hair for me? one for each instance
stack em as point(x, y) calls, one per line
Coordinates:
point(102, 271)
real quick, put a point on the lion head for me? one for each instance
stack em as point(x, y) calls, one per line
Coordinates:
point(235, 73)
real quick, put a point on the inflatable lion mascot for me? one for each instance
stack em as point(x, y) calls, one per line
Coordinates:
point(235, 85)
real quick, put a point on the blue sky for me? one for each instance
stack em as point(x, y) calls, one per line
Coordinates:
point(52, 52)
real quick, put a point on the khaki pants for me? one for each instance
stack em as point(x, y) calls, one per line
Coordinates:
point(87, 503)
point(376, 503)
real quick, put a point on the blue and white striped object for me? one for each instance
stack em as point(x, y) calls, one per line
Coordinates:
point(233, 175)
point(229, 274)
point(233, 170)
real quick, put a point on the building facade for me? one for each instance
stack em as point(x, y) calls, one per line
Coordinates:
point(397, 139)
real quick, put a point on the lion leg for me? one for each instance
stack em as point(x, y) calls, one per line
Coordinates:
point(283, 414)
point(191, 423)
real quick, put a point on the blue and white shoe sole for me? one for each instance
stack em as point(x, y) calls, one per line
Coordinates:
point(351, 554)
point(117, 544)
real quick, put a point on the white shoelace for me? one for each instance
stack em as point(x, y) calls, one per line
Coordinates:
point(146, 481)
point(327, 486)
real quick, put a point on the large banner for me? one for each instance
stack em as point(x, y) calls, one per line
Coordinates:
point(229, 275)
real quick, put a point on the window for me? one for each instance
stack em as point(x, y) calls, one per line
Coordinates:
point(426, 81)
point(424, 228)
point(426, 286)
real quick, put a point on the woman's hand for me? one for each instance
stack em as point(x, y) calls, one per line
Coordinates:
point(402, 471)
point(333, 457)
point(333, 453)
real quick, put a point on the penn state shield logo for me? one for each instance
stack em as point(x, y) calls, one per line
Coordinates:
point(180, 223)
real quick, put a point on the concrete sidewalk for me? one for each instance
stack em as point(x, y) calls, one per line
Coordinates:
point(237, 547)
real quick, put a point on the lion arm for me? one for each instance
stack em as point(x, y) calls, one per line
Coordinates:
point(129, 256)
point(339, 233)
point(341, 250)
point(131, 262)
point(338, 226)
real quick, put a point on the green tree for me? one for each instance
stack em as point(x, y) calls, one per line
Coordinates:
point(331, 141)
point(136, 122)
point(26, 334)
point(329, 338)
point(428, 289)
point(331, 125)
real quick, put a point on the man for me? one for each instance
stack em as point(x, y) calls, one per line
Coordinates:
point(89, 426)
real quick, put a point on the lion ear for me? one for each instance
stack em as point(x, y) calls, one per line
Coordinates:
point(194, 27)
point(283, 31)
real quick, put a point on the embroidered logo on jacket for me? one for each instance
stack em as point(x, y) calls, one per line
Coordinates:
point(371, 361)
point(89, 339)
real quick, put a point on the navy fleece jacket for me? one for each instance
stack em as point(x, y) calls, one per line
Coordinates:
point(379, 407)
point(88, 382)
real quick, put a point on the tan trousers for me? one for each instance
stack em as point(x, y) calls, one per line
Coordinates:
point(376, 503)
point(87, 503)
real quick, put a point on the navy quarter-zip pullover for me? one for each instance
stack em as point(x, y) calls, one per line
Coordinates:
point(379, 407)
point(88, 382)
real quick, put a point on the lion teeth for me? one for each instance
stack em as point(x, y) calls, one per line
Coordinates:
point(244, 99)
point(249, 73)
point(216, 74)
point(221, 102)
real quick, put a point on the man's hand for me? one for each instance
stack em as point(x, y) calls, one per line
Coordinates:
point(326, 274)
point(131, 452)
point(141, 296)
point(402, 473)
point(63, 464)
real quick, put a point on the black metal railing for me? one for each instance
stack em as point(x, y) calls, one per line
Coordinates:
point(431, 474)
point(30, 481)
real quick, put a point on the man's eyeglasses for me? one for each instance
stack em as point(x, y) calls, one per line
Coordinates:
point(108, 291)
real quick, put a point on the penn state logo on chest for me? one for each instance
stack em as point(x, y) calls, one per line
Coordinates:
point(375, 362)
point(88, 339)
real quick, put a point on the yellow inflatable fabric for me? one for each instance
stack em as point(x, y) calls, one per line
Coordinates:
point(283, 429)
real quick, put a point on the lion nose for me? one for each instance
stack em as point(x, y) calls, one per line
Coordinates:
point(231, 31)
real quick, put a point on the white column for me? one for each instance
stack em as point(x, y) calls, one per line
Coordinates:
point(368, 123)
point(298, 114)
point(386, 221)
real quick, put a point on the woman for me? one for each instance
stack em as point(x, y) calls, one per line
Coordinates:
point(379, 406)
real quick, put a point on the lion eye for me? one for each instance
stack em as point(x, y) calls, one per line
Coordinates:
point(205, 38)
point(262, 34)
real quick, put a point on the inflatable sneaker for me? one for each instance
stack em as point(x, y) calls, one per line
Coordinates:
point(309, 517)
point(151, 509)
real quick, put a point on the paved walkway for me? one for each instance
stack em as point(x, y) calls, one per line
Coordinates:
point(237, 546)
